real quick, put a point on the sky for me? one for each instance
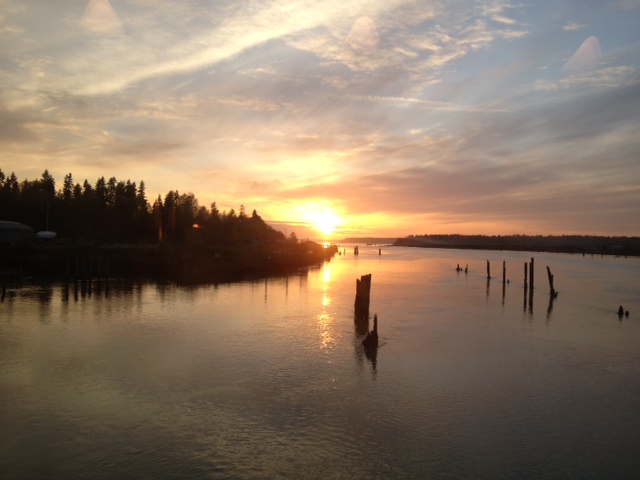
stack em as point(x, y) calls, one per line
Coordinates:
point(360, 118)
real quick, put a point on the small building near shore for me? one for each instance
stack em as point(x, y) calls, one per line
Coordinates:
point(14, 233)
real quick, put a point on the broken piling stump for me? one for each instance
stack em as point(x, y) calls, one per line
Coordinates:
point(371, 340)
point(363, 294)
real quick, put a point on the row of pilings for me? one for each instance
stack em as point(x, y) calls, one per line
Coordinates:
point(528, 276)
point(10, 279)
point(82, 271)
point(528, 283)
point(85, 272)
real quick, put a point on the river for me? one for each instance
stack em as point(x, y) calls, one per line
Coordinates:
point(268, 379)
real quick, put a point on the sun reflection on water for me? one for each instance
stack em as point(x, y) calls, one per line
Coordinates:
point(325, 320)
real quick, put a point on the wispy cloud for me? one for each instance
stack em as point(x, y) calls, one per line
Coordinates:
point(572, 26)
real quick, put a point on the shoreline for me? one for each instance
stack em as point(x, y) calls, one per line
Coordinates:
point(163, 262)
point(532, 249)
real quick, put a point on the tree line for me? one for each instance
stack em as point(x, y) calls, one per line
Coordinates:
point(117, 211)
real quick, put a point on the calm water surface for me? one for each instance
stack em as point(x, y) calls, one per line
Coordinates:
point(268, 379)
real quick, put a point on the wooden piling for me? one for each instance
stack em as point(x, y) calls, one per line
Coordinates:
point(363, 295)
point(488, 270)
point(504, 272)
point(371, 340)
point(526, 275)
point(552, 290)
point(531, 274)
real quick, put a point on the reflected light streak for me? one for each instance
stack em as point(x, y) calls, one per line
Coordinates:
point(326, 277)
point(325, 320)
point(326, 332)
point(326, 300)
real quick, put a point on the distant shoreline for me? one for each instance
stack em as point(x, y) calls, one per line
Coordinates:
point(574, 244)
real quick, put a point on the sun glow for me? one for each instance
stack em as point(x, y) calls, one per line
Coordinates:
point(319, 219)
point(325, 221)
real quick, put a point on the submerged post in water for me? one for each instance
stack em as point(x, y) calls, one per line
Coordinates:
point(531, 275)
point(552, 290)
point(363, 293)
point(371, 340)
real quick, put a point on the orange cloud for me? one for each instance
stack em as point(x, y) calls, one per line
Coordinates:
point(100, 17)
point(363, 36)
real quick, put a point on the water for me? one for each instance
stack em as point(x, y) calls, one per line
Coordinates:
point(268, 379)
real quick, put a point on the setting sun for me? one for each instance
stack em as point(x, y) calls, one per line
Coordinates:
point(325, 222)
point(319, 216)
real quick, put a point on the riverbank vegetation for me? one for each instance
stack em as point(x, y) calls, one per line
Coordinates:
point(111, 223)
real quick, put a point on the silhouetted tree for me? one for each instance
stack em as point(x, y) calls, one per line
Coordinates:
point(118, 211)
point(67, 188)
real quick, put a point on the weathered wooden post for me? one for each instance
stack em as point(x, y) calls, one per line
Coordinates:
point(488, 270)
point(531, 275)
point(363, 293)
point(504, 280)
point(371, 340)
point(552, 290)
point(524, 307)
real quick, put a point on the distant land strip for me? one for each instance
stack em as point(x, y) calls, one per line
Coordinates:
point(616, 245)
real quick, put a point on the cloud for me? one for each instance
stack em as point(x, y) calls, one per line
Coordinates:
point(572, 26)
point(503, 20)
point(14, 126)
point(100, 17)
point(363, 36)
point(587, 56)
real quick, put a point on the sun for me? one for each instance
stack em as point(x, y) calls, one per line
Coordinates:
point(325, 222)
point(319, 216)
